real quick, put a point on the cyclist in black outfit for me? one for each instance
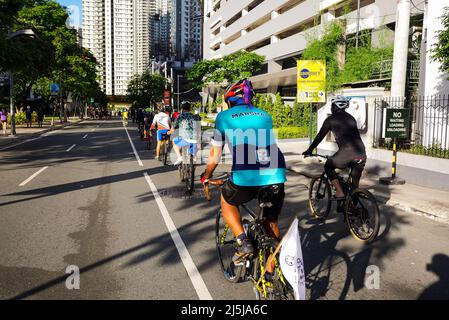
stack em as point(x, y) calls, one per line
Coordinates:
point(351, 150)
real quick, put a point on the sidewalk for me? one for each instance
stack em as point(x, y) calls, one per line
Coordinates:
point(23, 133)
point(431, 203)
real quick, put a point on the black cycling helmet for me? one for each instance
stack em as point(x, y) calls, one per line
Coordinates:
point(186, 105)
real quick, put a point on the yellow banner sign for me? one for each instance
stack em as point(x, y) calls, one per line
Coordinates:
point(311, 81)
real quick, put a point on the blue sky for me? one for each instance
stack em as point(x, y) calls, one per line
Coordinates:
point(76, 5)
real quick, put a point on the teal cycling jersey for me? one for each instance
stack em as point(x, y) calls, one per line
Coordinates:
point(256, 158)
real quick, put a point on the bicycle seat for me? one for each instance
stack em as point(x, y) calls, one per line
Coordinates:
point(266, 195)
point(357, 161)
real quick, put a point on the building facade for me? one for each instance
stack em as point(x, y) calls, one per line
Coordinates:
point(186, 30)
point(280, 30)
point(118, 34)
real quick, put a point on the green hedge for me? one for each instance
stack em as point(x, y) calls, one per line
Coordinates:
point(291, 132)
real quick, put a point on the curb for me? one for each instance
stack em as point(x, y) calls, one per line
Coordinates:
point(21, 139)
point(389, 202)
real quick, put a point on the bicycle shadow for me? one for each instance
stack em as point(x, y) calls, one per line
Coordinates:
point(335, 266)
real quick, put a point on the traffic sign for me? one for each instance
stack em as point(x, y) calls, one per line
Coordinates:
point(4, 78)
point(54, 89)
point(311, 81)
point(397, 123)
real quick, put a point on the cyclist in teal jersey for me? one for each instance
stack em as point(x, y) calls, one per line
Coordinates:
point(256, 162)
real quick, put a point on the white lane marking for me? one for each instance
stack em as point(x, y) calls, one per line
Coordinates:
point(32, 177)
point(194, 275)
point(134, 148)
point(85, 136)
point(73, 146)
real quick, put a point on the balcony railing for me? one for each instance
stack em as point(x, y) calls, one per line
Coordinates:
point(384, 70)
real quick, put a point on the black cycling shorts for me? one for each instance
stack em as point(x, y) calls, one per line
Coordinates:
point(237, 195)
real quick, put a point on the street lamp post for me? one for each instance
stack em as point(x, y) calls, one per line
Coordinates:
point(179, 76)
point(24, 32)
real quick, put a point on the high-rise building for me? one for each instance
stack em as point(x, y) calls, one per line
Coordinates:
point(118, 34)
point(186, 29)
point(126, 35)
point(94, 35)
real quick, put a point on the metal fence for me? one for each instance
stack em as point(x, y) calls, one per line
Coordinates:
point(428, 130)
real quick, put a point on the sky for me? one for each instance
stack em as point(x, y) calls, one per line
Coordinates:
point(75, 7)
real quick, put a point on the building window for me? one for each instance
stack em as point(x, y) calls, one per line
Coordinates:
point(254, 4)
point(263, 70)
point(289, 5)
point(259, 45)
point(288, 91)
point(296, 29)
point(350, 6)
point(233, 19)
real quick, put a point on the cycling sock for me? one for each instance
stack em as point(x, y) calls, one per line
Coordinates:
point(242, 237)
point(269, 276)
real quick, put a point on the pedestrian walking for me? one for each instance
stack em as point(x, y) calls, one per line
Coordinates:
point(28, 113)
point(40, 117)
point(3, 120)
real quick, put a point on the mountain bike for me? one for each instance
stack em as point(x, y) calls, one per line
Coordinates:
point(359, 206)
point(165, 149)
point(253, 268)
point(187, 168)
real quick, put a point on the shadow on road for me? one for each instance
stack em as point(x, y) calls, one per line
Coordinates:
point(440, 289)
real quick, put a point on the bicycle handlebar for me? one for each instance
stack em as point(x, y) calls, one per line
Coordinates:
point(215, 182)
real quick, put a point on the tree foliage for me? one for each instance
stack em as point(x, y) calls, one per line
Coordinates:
point(54, 56)
point(228, 69)
point(440, 52)
point(146, 89)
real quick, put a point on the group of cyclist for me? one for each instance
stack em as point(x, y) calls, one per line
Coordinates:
point(183, 127)
point(258, 162)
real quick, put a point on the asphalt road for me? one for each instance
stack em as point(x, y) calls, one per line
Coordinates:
point(80, 197)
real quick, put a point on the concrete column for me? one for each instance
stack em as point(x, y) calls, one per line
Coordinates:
point(274, 39)
point(400, 58)
point(274, 15)
point(244, 12)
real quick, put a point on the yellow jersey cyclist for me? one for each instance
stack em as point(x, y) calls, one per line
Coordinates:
point(256, 162)
point(162, 123)
point(188, 131)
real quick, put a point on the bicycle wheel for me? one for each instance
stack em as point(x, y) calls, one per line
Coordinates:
point(190, 175)
point(362, 215)
point(226, 242)
point(181, 172)
point(320, 197)
point(165, 157)
point(279, 288)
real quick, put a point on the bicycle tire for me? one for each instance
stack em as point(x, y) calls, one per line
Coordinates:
point(327, 205)
point(226, 250)
point(181, 172)
point(190, 175)
point(165, 152)
point(281, 289)
point(354, 212)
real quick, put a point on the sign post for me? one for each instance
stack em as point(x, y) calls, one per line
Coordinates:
point(396, 126)
point(311, 85)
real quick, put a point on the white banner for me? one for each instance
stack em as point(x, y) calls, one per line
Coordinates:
point(291, 261)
